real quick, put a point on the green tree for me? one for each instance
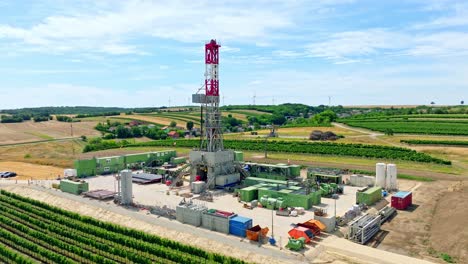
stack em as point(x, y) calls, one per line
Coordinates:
point(190, 125)
point(173, 124)
point(137, 132)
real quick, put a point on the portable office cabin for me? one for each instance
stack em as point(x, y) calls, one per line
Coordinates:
point(107, 165)
point(85, 167)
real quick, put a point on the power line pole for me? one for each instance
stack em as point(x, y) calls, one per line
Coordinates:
point(329, 100)
point(254, 97)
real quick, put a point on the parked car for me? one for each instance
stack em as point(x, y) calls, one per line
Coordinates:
point(7, 174)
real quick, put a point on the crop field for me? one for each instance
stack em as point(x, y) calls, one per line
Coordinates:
point(34, 131)
point(435, 142)
point(33, 231)
point(324, 148)
point(442, 127)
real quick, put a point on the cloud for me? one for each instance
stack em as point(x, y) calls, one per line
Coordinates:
point(356, 46)
point(113, 25)
point(458, 16)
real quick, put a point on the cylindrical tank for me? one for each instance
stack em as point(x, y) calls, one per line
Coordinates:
point(380, 179)
point(126, 190)
point(391, 177)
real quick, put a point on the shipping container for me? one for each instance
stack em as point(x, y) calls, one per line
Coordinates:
point(248, 194)
point(190, 214)
point(216, 220)
point(74, 187)
point(369, 196)
point(401, 200)
point(238, 225)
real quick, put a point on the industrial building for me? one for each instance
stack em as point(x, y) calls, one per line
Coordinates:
point(114, 164)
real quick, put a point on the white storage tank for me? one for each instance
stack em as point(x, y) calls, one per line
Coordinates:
point(391, 177)
point(126, 190)
point(380, 179)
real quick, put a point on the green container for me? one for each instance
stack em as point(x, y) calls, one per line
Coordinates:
point(178, 160)
point(85, 168)
point(369, 196)
point(73, 187)
point(295, 170)
point(248, 194)
point(238, 156)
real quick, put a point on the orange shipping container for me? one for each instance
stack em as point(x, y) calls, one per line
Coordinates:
point(254, 232)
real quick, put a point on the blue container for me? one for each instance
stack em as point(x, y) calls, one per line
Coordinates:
point(238, 225)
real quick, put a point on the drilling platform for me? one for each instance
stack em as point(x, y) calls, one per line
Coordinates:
point(212, 164)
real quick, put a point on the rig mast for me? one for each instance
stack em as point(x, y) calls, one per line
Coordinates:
point(212, 134)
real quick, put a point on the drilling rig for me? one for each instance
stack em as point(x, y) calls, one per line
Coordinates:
point(212, 163)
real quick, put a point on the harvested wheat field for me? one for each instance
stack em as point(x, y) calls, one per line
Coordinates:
point(28, 171)
point(34, 131)
point(58, 154)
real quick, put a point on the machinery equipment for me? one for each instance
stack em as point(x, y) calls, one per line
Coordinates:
point(296, 244)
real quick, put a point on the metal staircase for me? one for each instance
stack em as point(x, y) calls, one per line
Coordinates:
point(180, 173)
point(244, 173)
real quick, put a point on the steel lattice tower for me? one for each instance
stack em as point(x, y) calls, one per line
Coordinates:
point(212, 140)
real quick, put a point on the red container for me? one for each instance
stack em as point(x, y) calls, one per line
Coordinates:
point(401, 200)
point(198, 178)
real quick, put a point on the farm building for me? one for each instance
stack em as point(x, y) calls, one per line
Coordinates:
point(107, 165)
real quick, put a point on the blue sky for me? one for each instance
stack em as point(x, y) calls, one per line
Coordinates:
point(145, 53)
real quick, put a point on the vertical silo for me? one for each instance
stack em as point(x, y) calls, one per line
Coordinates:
point(391, 177)
point(380, 179)
point(126, 191)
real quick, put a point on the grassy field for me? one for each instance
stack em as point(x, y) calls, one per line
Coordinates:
point(32, 131)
